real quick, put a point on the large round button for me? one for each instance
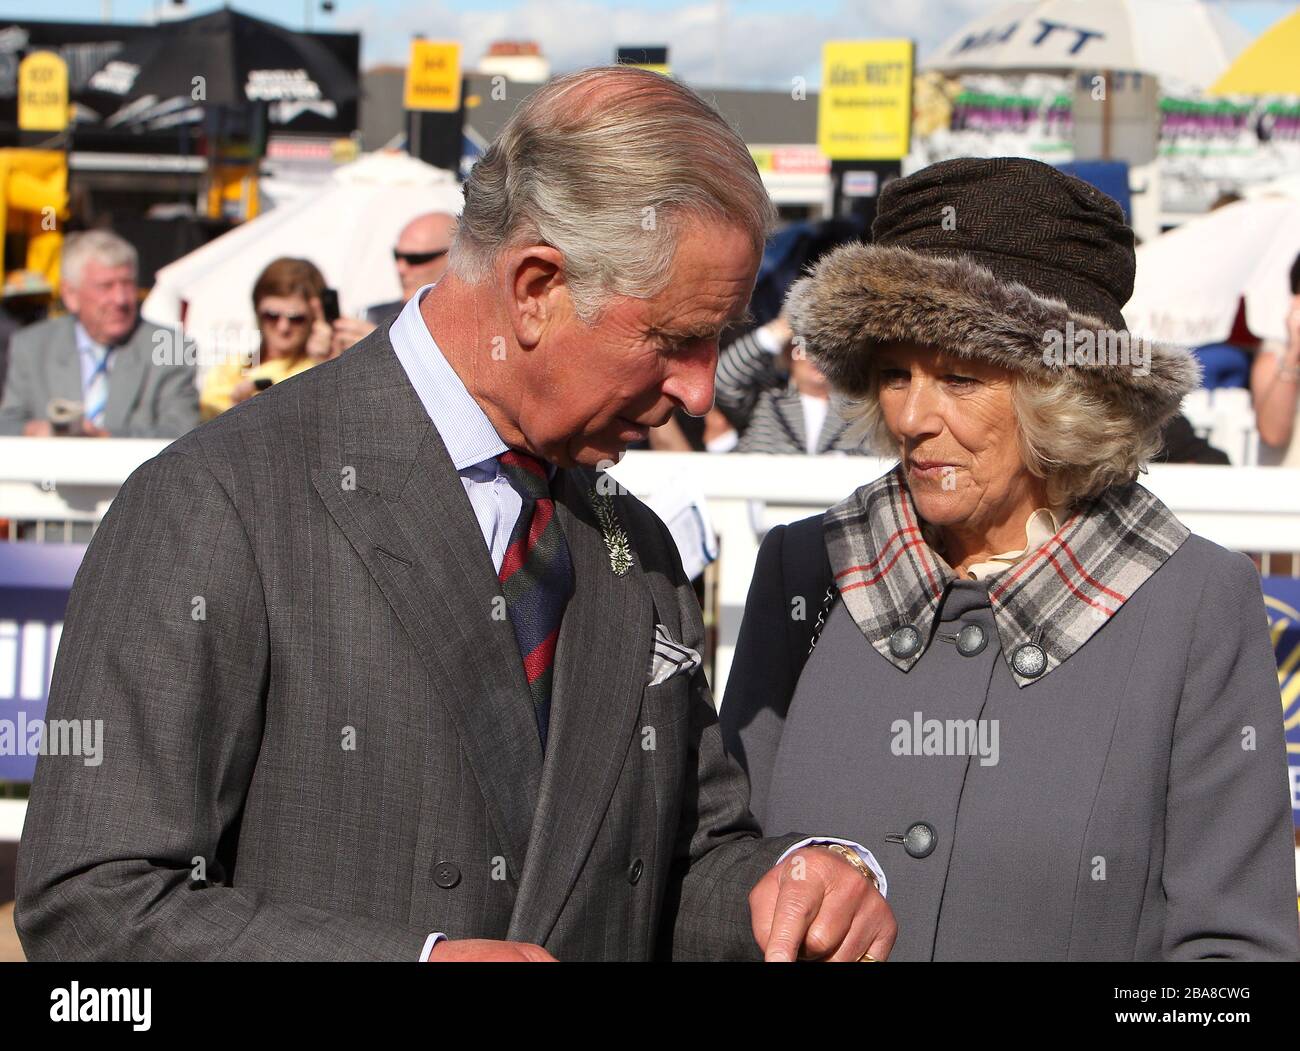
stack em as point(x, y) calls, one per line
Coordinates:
point(971, 640)
point(446, 875)
point(920, 839)
point(634, 872)
point(905, 641)
point(1029, 660)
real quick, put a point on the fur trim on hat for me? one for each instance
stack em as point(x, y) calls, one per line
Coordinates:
point(861, 295)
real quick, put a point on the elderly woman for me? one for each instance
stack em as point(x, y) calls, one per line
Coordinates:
point(1049, 710)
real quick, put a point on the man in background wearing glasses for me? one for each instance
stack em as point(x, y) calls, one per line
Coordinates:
point(421, 258)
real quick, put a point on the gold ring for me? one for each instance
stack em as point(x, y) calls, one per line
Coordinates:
point(866, 957)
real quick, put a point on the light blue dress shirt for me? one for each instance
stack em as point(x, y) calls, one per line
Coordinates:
point(474, 445)
point(468, 434)
point(90, 352)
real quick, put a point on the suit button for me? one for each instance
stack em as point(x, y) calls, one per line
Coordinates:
point(1029, 660)
point(971, 640)
point(446, 875)
point(634, 872)
point(905, 642)
point(919, 840)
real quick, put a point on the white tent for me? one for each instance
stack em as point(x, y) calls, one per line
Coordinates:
point(1185, 40)
point(347, 228)
point(1190, 280)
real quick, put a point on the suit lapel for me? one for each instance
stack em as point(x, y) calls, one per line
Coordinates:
point(410, 522)
point(601, 667)
point(832, 427)
point(126, 380)
point(65, 365)
point(790, 409)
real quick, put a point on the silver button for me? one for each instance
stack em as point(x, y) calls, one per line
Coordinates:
point(1029, 660)
point(905, 642)
point(971, 640)
point(919, 840)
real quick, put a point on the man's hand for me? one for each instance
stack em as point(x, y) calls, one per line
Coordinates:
point(242, 391)
point(816, 906)
point(86, 429)
point(320, 344)
point(349, 330)
point(480, 950)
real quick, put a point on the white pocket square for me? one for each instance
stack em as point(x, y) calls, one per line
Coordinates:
point(670, 658)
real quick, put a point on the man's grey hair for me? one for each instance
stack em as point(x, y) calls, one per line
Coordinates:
point(104, 246)
point(608, 165)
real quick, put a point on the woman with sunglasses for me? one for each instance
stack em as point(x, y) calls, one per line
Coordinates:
point(294, 336)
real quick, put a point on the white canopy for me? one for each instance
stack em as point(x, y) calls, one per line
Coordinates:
point(1190, 280)
point(1185, 40)
point(347, 228)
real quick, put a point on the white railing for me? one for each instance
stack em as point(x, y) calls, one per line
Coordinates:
point(59, 488)
point(56, 482)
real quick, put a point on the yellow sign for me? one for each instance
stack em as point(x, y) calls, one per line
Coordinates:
point(433, 76)
point(864, 112)
point(42, 92)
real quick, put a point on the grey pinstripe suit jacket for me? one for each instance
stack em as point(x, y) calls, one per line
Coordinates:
point(344, 739)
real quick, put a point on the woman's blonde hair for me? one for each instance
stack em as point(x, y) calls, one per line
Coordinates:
point(1080, 444)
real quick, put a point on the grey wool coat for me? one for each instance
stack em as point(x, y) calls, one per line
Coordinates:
point(230, 818)
point(1123, 799)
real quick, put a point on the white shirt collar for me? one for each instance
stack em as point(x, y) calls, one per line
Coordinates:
point(462, 424)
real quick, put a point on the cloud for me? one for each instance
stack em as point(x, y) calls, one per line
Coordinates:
point(750, 48)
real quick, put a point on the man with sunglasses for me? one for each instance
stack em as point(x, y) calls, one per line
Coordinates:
point(421, 258)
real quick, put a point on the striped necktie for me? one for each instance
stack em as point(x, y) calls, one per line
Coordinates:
point(536, 578)
point(97, 387)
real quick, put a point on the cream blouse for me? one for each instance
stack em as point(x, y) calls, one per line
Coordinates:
point(1040, 527)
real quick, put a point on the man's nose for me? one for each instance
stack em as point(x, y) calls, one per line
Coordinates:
point(691, 382)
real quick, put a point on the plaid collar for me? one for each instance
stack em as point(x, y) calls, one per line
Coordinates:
point(1045, 607)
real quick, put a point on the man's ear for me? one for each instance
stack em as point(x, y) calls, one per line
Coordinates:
point(71, 298)
point(537, 291)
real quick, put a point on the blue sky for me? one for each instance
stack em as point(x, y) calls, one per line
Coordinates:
point(756, 43)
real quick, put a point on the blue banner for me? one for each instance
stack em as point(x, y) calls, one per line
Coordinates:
point(35, 580)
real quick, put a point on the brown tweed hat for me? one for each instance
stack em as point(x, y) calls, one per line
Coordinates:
point(990, 259)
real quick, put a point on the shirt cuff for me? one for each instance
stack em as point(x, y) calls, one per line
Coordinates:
point(429, 943)
point(858, 849)
point(724, 442)
point(768, 342)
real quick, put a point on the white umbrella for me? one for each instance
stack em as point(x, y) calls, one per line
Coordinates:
point(1189, 281)
point(1186, 40)
point(347, 227)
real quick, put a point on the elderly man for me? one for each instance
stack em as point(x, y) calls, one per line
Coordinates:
point(100, 358)
point(403, 675)
point(421, 258)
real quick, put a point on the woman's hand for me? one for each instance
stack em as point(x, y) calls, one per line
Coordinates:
point(242, 391)
point(320, 344)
